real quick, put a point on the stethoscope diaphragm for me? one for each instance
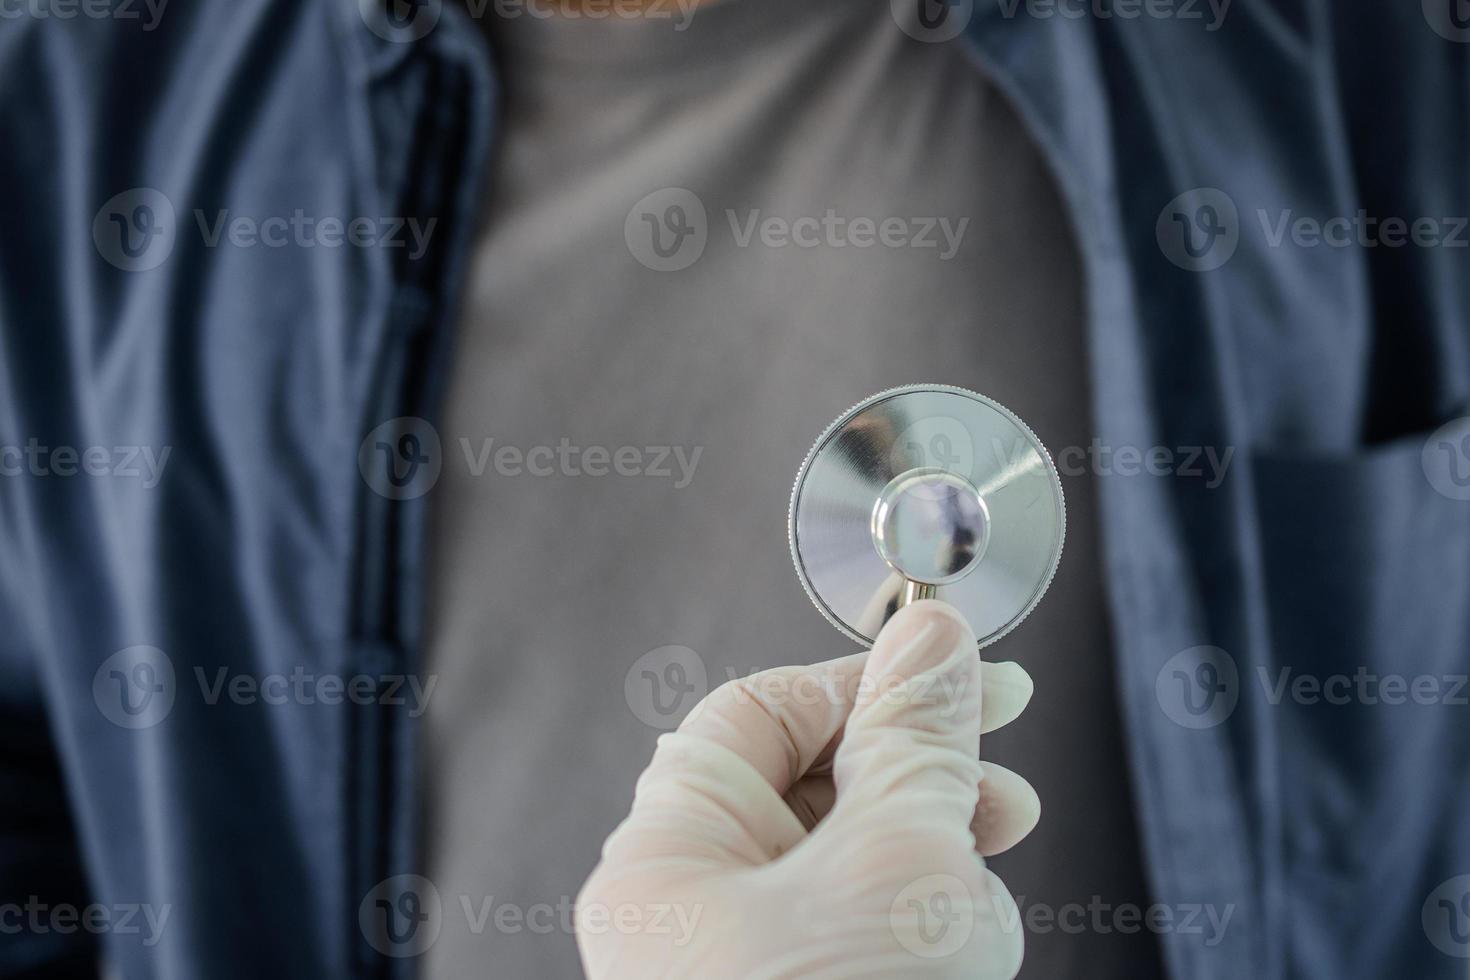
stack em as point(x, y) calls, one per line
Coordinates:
point(927, 491)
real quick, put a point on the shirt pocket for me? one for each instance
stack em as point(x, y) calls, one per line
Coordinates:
point(1367, 568)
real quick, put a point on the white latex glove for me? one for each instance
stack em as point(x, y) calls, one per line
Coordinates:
point(722, 868)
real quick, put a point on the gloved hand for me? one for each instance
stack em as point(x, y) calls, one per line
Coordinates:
point(824, 821)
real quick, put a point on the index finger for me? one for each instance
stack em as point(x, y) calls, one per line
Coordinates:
point(782, 721)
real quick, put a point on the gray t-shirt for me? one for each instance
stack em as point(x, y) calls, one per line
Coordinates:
point(627, 413)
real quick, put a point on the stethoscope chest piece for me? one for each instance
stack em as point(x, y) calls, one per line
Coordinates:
point(927, 491)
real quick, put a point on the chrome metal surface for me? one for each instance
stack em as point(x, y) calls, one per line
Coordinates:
point(927, 490)
point(914, 591)
point(930, 525)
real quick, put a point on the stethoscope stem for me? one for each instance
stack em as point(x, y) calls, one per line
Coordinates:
point(914, 591)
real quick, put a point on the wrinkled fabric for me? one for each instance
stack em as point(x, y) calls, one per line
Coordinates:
point(261, 549)
point(1325, 369)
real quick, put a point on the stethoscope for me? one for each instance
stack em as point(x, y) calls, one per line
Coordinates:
point(927, 492)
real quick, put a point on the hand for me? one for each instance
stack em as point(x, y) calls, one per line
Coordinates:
point(824, 821)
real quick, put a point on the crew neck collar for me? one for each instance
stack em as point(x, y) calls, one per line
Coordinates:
point(609, 36)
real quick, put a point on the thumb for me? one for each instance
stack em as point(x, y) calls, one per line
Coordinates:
point(913, 737)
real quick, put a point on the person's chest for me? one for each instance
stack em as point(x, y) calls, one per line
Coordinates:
point(674, 289)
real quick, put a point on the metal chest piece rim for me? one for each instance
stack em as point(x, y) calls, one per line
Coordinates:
point(926, 491)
